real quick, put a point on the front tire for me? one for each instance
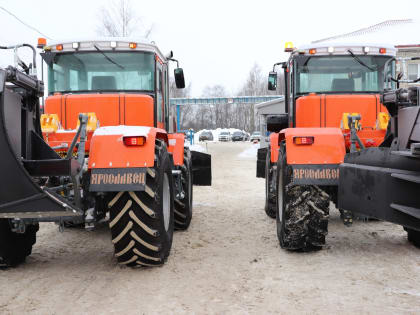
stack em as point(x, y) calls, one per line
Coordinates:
point(270, 196)
point(301, 211)
point(184, 206)
point(142, 222)
point(15, 247)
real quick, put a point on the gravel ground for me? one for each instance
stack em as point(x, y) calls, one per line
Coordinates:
point(229, 261)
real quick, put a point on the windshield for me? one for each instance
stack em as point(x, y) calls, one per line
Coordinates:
point(338, 74)
point(97, 71)
point(256, 133)
point(237, 133)
point(224, 133)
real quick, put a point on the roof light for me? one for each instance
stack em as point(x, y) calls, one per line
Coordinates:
point(75, 45)
point(382, 50)
point(312, 51)
point(288, 47)
point(133, 45)
point(59, 47)
point(303, 140)
point(113, 44)
point(41, 42)
point(134, 140)
point(330, 49)
point(366, 49)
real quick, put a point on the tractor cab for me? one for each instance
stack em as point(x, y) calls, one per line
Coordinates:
point(327, 84)
point(123, 82)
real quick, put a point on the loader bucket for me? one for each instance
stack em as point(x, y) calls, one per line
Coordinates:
point(25, 157)
point(201, 165)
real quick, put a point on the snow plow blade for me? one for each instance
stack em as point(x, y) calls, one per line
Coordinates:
point(25, 159)
point(201, 165)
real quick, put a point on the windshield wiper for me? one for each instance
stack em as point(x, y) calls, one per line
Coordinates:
point(107, 58)
point(360, 61)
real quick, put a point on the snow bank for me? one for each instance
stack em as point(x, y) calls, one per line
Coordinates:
point(195, 147)
point(251, 152)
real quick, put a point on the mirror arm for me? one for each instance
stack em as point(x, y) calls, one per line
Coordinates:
point(174, 60)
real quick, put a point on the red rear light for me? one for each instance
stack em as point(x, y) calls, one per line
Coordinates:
point(133, 45)
point(59, 47)
point(303, 140)
point(134, 141)
point(382, 50)
point(312, 51)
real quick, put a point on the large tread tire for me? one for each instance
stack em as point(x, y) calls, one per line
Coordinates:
point(413, 237)
point(15, 247)
point(301, 212)
point(183, 207)
point(270, 196)
point(140, 233)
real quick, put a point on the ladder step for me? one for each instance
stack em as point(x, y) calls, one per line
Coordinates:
point(409, 178)
point(414, 212)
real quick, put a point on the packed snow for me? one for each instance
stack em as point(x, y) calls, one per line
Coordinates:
point(251, 152)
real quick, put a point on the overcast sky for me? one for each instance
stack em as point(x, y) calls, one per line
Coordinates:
point(217, 42)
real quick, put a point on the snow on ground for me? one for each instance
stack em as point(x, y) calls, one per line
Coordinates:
point(195, 147)
point(251, 152)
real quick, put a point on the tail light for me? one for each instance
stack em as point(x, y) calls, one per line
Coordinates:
point(382, 50)
point(134, 141)
point(312, 51)
point(133, 45)
point(303, 140)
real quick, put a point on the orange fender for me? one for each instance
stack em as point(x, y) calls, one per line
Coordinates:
point(328, 146)
point(176, 147)
point(107, 149)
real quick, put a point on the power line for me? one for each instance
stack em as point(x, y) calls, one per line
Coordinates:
point(27, 25)
point(366, 30)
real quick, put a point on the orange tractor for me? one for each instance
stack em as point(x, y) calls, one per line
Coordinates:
point(333, 109)
point(105, 147)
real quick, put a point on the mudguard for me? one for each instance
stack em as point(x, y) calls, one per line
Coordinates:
point(115, 166)
point(201, 165)
point(311, 164)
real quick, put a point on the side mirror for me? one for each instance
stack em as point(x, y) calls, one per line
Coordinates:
point(272, 81)
point(179, 78)
point(276, 123)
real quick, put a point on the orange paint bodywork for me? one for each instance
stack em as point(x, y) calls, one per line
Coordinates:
point(110, 109)
point(176, 147)
point(108, 150)
point(320, 116)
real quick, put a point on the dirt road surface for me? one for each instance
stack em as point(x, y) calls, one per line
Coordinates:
point(229, 261)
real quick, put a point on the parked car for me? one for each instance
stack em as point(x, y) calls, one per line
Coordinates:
point(238, 136)
point(256, 136)
point(206, 136)
point(224, 136)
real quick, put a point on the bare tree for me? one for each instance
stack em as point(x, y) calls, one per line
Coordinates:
point(186, 111)
point(218, 111)
point(119, 19)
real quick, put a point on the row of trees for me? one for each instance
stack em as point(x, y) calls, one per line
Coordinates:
point(118, 18)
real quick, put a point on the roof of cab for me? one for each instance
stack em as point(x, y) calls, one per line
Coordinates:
point(104, 43)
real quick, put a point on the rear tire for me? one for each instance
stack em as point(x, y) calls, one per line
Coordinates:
point(15, 247)
point(183, 207)
point(413, 237)
point(270, 196)
point(301, 212)
point(142, 222)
